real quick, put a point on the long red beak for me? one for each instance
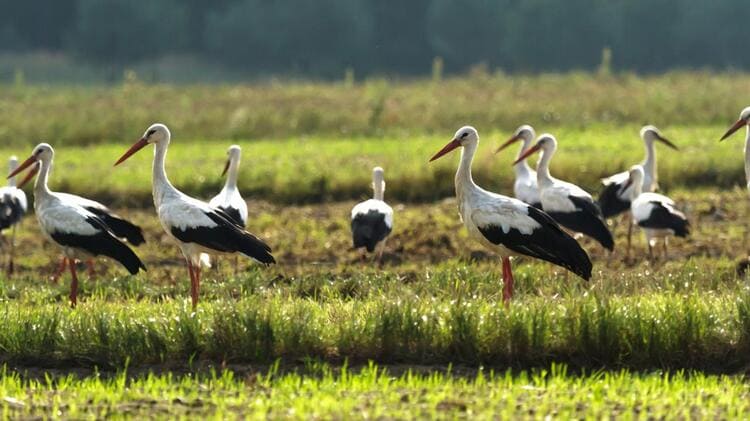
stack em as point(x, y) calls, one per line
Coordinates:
point(137, 146)
point(25, 164)
point(226, 168)
point(528, 152)
point(667, 142)
point(29, 175)
point(453, 144)
point(508, 143)
point(739, 123)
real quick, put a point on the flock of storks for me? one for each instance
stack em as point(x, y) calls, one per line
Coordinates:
point(540, 222)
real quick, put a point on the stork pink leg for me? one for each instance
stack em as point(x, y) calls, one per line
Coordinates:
point(197, 270)
point(60, 270)
point(507, 281)
point(193, 288)
point(73, 283)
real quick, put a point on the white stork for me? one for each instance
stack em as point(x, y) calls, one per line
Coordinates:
point(229, 199)
point(525, 187)
point(78, 232)
point(743, 121)
point(654, 212)
point(13, 206)
point(507, 226)
point(196, 227)
point(613, 200)
point(567, 203)
point(372, 220)
point(120, 227)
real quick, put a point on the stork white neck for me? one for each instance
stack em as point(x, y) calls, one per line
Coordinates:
point(161, 185)
point(232, 171)
point(649, 164)
point(41, 191)
point(463, 179)
point(747, 156)
point(522, 168)
point(378, 185)
point(637, 188)
point(543, 177)
point(12, 165)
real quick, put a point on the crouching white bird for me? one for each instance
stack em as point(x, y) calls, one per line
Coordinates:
point(13, 206)
point(372, 220)
point(80, 233)
point(653, 212)
point(568, 204)
point(507, 226)
point(525, 188)
point(197, 227)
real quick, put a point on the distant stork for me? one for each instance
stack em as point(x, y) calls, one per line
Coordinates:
point(79, 232)
point(567, 203)
point(120, 227)
point(743, 121)
point(372, 220)
point(197, 227)
point(654, 212)
point(525, 187)
point(229, 199)
point(613, 200)
point(13, 206)
point(507, 226)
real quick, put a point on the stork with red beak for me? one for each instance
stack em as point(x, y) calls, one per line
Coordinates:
point(525, 187)
point(78, 232)
point(229, 199)
point(567, 203)
point(197, 227)
point(743, 122)
point(507, 226)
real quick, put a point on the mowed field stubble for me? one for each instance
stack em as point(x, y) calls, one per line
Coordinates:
point(423, 333)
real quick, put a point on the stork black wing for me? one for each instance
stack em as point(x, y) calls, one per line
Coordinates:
point(233, 215)
point(120, 227)
point(11, 211)
point(587, 220)
point(610, 202)
point(548, 242)
point(662, 218)
point(368, 229)
point(102, 243)
point(225, 237)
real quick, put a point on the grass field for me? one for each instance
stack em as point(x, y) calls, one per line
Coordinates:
point(324, 334)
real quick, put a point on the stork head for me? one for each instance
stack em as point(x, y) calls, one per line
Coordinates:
point(525, 133)
point(635, 178)
point(650, 134)
point(156, 133)
point(42, 152)
point(743, 121)
point(545, 142)
point(233, 155)
point(464, 136)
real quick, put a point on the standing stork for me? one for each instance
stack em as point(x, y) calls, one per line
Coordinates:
point(525, 188)
point(743, 121)
point(372, 220)
point(613, 200)
point(197, 227)
point(79, 232)
point(13, 206)
point(567, 203)
point(653, 212)
point(119, 226)
point(229, 199)
point(507, 226)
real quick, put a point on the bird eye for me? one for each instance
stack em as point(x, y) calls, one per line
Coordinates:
point(150, 132)
point(464, 135)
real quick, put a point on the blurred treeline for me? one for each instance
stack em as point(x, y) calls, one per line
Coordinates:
point(325, 38)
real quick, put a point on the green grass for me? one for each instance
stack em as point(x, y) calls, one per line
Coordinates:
point(309, 170)
point(319, 391)
point(89, 115)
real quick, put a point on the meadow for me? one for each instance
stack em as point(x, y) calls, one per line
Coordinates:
point(326, 334)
